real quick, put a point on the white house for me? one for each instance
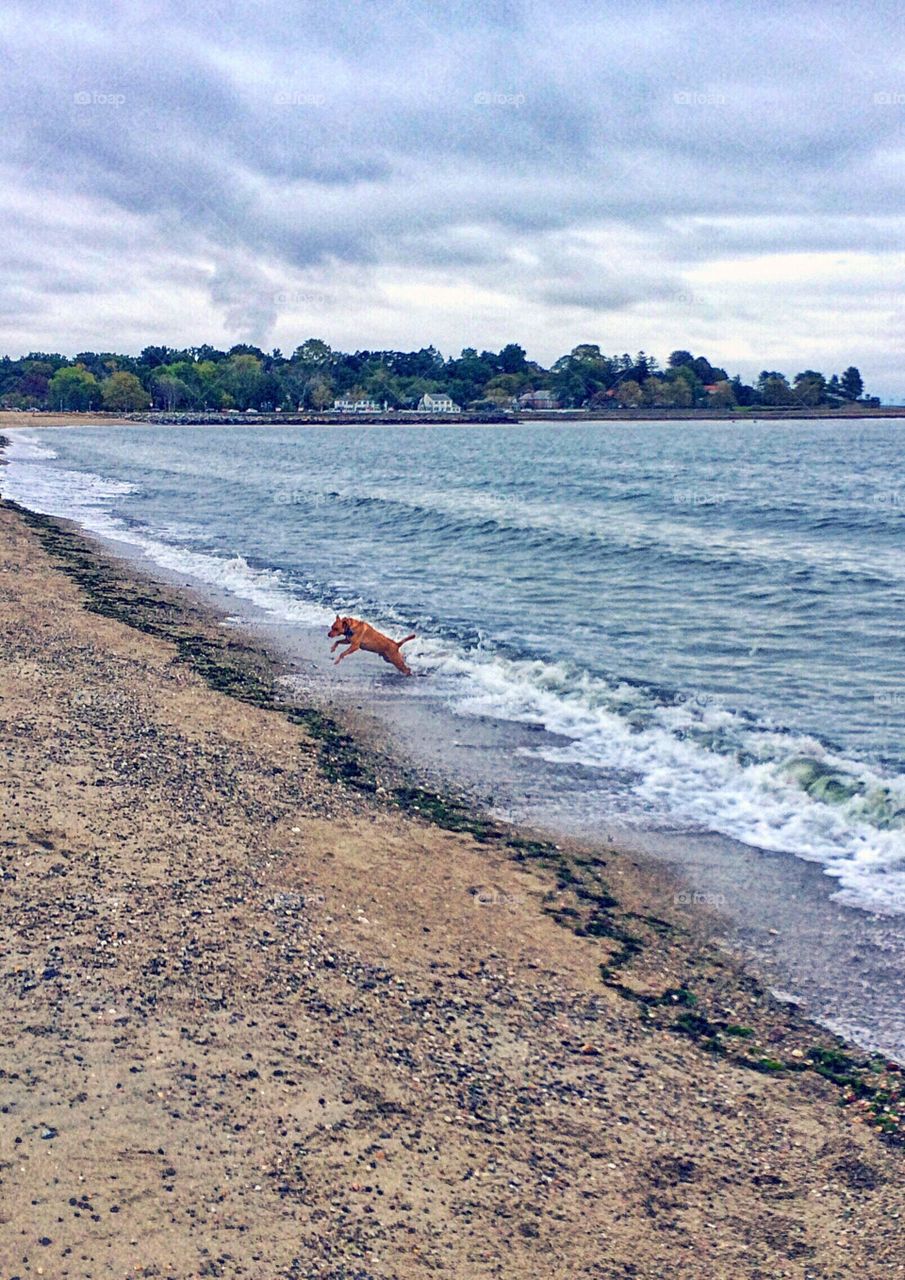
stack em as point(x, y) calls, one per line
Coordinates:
point(437, 402)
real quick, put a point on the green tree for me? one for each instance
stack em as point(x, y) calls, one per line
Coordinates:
point(154, 356)
point(657, 391)
point(684, 393)
point(123, 393)
point(629, 394)
point(723, 397)
point(73, 388)
point(512, 359)
point(504, 386)
point(209, 395)
point(810, 388)
point(852, 383)
point(312, 352)
point(383, 387)
point(501, 390)
point(170, 392)
point(242, 377)
point(31, 391)
point(687, 386)
point(774, 388)
point(741, 392)
point(318, 393)
point(582, 374)
point(466, 377)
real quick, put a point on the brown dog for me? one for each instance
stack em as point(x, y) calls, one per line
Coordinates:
point(361, 636)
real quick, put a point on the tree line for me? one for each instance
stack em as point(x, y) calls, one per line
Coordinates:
point(245, 377)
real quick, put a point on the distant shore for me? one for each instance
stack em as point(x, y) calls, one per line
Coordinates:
point(267, 1003)
point(11, 418)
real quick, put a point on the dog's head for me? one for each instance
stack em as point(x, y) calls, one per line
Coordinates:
point(341, 627)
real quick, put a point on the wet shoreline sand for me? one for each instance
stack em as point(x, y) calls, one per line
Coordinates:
point(272, 1009)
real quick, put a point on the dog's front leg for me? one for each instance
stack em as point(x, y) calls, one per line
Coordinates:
point(353, 648)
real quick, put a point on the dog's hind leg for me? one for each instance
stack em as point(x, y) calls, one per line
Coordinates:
point(398, 662)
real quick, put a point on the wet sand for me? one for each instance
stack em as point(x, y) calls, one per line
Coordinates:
point(270, 1009)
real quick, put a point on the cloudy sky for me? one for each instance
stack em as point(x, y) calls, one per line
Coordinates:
point(389, 173)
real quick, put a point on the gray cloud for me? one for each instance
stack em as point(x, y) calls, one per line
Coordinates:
point(252, 149)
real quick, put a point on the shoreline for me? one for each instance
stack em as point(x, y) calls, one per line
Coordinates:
point(550, 999)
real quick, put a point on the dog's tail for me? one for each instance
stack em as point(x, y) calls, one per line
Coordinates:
point(406, 640)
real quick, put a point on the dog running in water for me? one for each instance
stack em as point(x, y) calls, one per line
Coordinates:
point(360, 635)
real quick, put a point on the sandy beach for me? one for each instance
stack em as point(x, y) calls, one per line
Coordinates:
point(11, 418)
point(269, 1009)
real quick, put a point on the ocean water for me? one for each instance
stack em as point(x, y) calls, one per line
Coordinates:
point(706, 618)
